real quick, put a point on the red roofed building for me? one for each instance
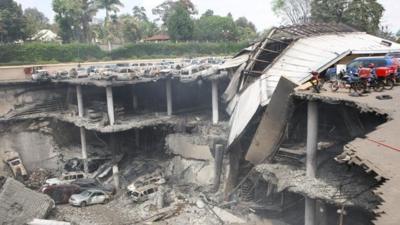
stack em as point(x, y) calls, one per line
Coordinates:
point(158, 38)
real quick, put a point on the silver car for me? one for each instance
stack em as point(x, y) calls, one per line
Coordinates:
point(89, 197)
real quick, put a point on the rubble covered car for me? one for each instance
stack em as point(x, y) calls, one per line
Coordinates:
point(144, 193)
point(154, 178)
point(14, 161)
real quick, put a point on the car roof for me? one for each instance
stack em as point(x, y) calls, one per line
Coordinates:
point(372, 57)
point(95, 190)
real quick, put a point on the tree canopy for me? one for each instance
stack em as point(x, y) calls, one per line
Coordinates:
point(13, 24)
point(180, 24)
point(37, 21)
point(362, 14)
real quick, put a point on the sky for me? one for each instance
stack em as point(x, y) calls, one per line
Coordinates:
point(257, 11)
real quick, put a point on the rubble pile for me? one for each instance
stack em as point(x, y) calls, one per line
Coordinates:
point(37, 178)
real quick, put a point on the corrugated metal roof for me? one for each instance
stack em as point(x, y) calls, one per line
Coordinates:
point(319, 52)
point(306, 54)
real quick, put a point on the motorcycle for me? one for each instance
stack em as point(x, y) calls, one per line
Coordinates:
point(347, 80)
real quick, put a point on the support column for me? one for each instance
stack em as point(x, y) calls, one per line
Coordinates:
point(137, 138)
point(79, 100)
point(134, 99)
point(84, 151)
point(311, 162)
point(110, 105)
point(169, 97)
point(115, 150)
point(218, 160)
point(215, 111)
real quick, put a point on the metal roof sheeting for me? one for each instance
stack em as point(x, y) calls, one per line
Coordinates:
point(306, 54)
point(320, 52)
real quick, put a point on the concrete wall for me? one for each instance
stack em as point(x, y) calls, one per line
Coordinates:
point(36, 149)
point(15, 96)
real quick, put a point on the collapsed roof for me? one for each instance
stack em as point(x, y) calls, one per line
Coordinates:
point(293, 52)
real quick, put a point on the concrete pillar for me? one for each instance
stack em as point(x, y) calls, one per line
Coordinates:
point(322, 213)
point(110, 105)
point(134, 99)
point(312, 139)
point(115, 149)
point(215, 111)
point(84, 151)
point(234, 165)
point(311, 161)
point(116, 176)
point(218, 160)
point(134, 102)
point(79, 100)
point(169, 97)
point(137, 138)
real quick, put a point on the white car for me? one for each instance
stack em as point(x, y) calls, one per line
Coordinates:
point(89, 197)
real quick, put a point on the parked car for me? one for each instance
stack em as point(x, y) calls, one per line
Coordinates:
point(41, 75)
point(82, 72)
point(144, 193)
point(393, 55)
point(194, 72)
point(66, 178)
point(89, 197)
point(90, 183)
point(60, 193)
point(14, 161)
point(391, 64)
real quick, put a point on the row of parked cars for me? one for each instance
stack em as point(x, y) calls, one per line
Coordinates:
point(189, 69)
point(78, 190)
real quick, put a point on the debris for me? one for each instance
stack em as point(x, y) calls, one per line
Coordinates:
point(47, 222)
point(37, 178)
point(383, 97)
point(20, 205)
point(226, 216)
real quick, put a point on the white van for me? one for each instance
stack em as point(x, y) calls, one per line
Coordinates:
point(144, 193)
point(66, 178)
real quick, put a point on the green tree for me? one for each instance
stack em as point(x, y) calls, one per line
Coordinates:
point(146, 27)
point(365, 15)
point(165, 9)
point(180, 25)
point(68, 14)
point(110, 6)
point(130, 28)
point(292, 11)
point(12, 22)
point(329, 10)
point(140, 13)
point(246, 29)
point(37, 21)
point(216, 28)
point(362, 14)
point(89, 10)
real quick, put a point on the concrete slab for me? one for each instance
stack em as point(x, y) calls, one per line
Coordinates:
point(20, 205)
point(379, 150)
point(186, 147)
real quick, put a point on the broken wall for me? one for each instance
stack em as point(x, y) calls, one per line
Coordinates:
point(15, 99)
point(33, 141)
